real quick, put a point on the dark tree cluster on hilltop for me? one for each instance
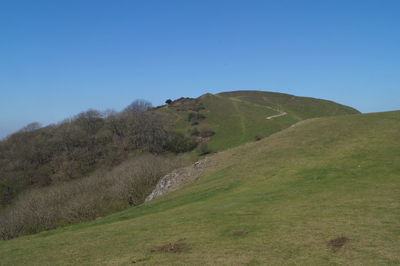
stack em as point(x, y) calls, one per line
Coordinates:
point(186, 104)
point(35, 157)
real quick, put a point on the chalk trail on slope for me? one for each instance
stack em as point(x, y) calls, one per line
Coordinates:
point(278, 115)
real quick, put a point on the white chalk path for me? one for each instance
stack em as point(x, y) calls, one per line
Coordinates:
point(278, 115)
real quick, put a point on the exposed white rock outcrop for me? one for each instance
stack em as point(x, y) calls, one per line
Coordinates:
point(178, 178)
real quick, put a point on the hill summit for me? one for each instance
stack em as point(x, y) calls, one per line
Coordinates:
point(238, 117)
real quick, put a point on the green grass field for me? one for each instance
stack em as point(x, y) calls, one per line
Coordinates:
point(277, 201)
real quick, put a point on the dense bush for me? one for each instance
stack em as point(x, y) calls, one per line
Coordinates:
point(195, 117)
point(203, 131)
point(179, 143)
point(187, 104)
point(85, 199)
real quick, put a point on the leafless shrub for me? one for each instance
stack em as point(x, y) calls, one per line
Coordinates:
point(85, 199)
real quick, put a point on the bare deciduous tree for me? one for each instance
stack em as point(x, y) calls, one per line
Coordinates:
point(137, 106)
point(31, 127)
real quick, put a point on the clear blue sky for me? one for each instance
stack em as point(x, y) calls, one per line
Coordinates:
point(58, 58)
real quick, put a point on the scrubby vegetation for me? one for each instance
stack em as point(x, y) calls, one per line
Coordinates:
point(179, 143)
point(195, 117)
point(87, 198)
point(72, 149)
point(186, 104)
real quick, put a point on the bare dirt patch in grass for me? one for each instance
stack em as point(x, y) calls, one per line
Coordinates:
point(133, 261)
point(239, 232)
point(177, 247)
point(337, 243)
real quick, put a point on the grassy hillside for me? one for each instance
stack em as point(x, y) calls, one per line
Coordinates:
point(241, 116)
point(325, 191)
point(96, 142)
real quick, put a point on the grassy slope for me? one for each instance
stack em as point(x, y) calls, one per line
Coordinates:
point(238, 117)
point(292, 191)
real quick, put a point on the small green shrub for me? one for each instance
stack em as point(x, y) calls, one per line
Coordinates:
point(257, 138)
point(178, 143)
point(195, 117)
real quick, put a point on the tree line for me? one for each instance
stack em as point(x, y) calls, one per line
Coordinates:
point(38, 156)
